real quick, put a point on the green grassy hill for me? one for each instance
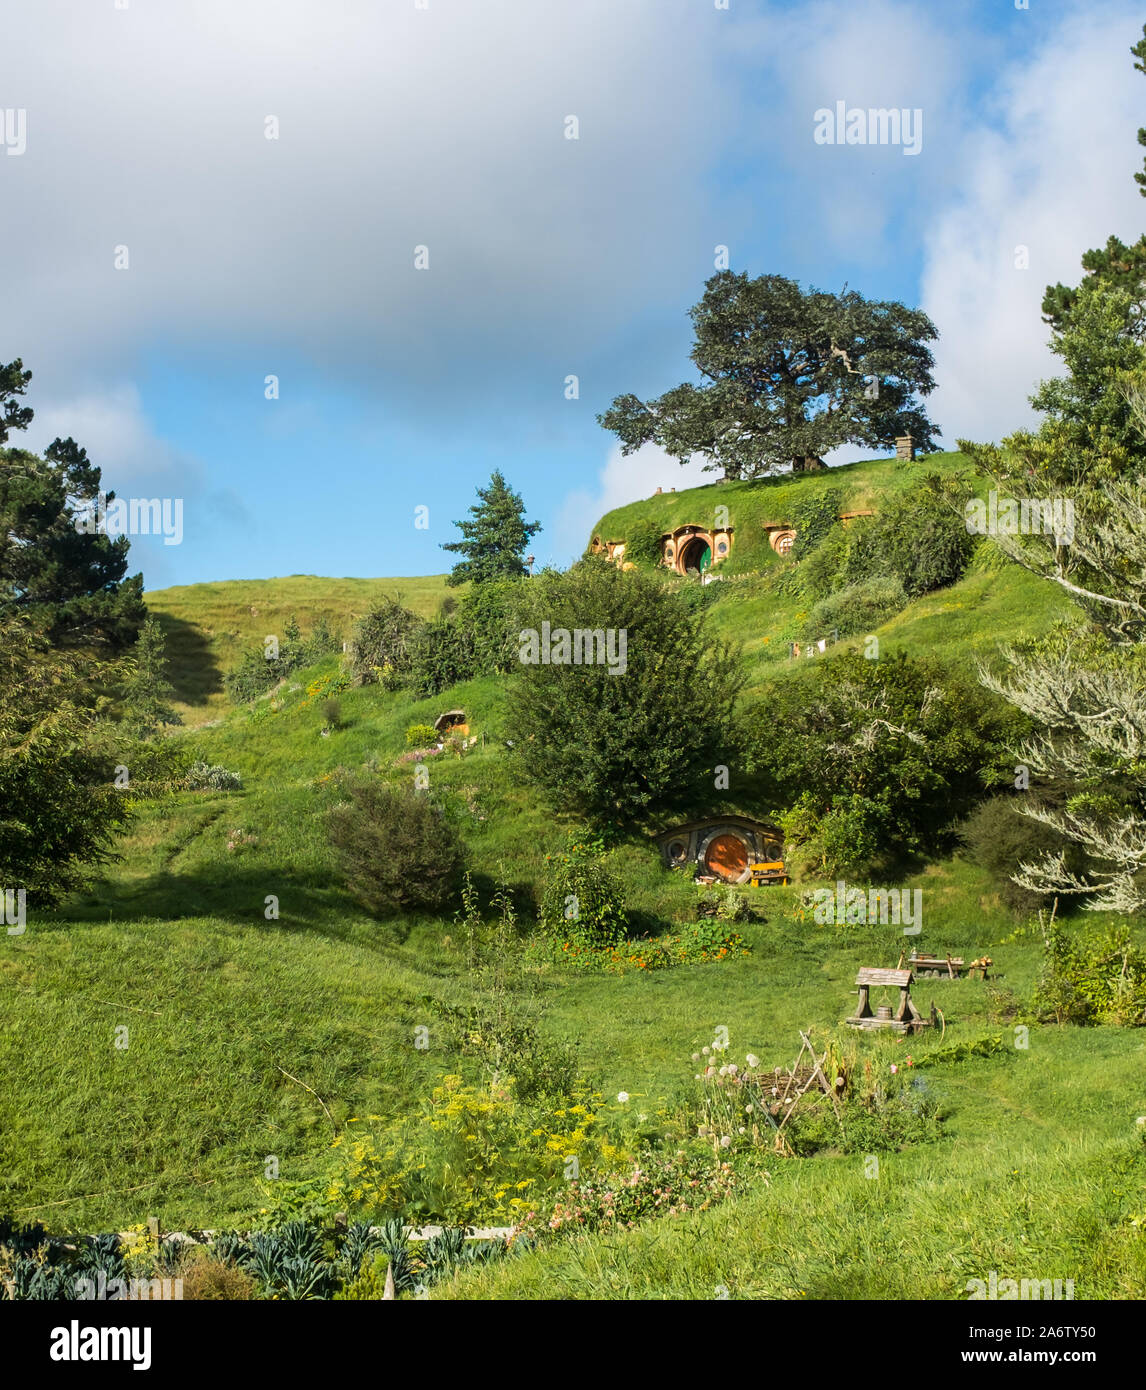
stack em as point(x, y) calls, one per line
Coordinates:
point(207, 626)
point(250, 1038)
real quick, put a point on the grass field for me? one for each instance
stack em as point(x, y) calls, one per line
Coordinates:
point(248, 1038)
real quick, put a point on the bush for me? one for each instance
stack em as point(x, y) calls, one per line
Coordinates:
point(582, 901)
point(1098, 977)
point(441, 655)
point(997, 836)
point(643, 544)
point(875, 759)
point(617, 744)
point(256, 674)
point(398, 851)
point(725, 903)
point(486, 620)
point(858, 608)
point(332, 713)
point(421, 736)
point(379, 648)
point(918, 538)
point(201, 776)
point(208, 1279)
point(815, 517)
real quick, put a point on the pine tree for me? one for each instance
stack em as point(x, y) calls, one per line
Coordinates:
point(495, 540)
point(73, 583)
point(147, 693)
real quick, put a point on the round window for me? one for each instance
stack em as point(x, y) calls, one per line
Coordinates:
point(677, 851)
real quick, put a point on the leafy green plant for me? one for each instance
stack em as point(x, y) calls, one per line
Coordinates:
point(397, 849)
point(1092, 977)
point(421, 736)
point(202, 776)
point(582, 900)
point(858, 608)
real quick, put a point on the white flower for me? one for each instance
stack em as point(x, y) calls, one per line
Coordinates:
point(752, 1061)
point(725, 1140)
point(732, 1069)
point(696, 1056)
point(622, 1096)
point(741, 1130)
point(1141, 1120)
point(706, 1050)
point(724, 1071)
point(710, 1071)
point(748, 1109)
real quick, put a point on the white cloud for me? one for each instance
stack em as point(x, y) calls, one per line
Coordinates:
point(1050, 167)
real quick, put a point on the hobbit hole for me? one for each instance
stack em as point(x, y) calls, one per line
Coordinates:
point(723, 847)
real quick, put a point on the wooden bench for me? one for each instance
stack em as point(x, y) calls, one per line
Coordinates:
point(946, 967)
point(937, 967)
point(906, 1019)
point(769, 872)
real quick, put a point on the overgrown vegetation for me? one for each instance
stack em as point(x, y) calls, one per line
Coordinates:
point(397, 849)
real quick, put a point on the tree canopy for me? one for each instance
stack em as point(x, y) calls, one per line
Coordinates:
point(617, 743)
point(58, 812)
point(73, 582)
point(789, 375)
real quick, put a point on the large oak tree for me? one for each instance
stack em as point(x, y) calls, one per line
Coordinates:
point(788, 376)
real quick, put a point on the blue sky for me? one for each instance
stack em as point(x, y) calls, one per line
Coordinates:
point(444, 127)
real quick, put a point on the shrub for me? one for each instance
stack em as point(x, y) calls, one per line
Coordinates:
point(201, 776)
point(643, 544)
point(858, 608)
point(332, 713)
point(441, 655)
point(618, 748)
point(582, 901)
point(256, 674)
point(1098, 977)
point(918, 538)
point(398, 851)
point(206, 1278)
point(875, 758)
point(816, 516)
point(725, 903)
point(421, 736)
point(655, 1186)
point(997, 836)
point(379, 648)
point(486, 619)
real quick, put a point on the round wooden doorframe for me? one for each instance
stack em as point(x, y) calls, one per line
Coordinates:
point(722, 832)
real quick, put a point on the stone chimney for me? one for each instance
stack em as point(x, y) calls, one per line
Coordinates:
point(905, 447)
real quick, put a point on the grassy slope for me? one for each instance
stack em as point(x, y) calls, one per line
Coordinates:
point(207, 626)
point(220, 1003)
